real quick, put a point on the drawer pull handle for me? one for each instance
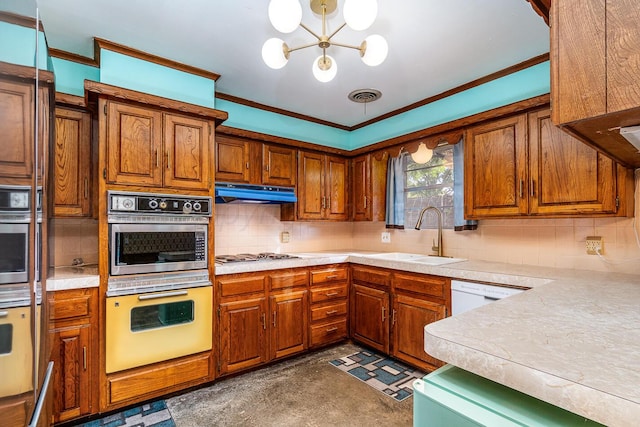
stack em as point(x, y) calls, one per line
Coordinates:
point(332, 312)
point(332, 294)
point(330, 330)
point(162, 295)
point(332, 277)
point(4, 314)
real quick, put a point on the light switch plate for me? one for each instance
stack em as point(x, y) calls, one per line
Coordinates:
point(285, 237)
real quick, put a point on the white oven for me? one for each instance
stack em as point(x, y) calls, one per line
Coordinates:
point(16, 351)
point(152, 327)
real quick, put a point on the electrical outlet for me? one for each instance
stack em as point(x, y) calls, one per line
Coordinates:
point(594, 244)
point(385, 237)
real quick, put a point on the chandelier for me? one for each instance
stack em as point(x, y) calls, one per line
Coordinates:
point(286, 16)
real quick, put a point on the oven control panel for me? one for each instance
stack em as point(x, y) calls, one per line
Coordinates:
point(151, 203)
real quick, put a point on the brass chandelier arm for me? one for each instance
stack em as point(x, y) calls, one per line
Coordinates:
point(336, 31)
point(359, 48)
point(310, 31)
point(291, 49)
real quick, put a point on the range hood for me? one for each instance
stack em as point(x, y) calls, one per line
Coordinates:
point(227, 192)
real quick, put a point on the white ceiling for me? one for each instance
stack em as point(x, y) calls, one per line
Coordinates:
point(434, 45)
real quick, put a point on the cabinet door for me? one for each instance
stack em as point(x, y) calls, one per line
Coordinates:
point(243, 335)
point(16, 128)
point(361, 188)
point(623, 54)
point(289, 320)
point(337, 188)
point(232, 160)
point(278, 165)
point(71, 375)
point(579, 60)
point(71, 163)
point(369, 317)
point(566, 175)
point(311, 197)
point(495, 157)
point(409, 317)
point(134, 145)
point(186, 152)
point(379, 185)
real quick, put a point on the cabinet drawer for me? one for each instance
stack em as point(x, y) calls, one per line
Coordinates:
point(320, 313)
point(329, 275)
point(329, 292)
point(370, 275)
point(328, 332)
point(241, 285)
point(289, 279)
point(428, 285)
point(70, 304)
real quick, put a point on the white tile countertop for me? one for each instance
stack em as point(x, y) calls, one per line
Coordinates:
point(65, 278)
point(573, 340)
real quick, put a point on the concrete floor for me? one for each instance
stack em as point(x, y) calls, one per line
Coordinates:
point(304, 391)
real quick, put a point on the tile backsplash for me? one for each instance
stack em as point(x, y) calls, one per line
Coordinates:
point(251, 228)
point(544, 242)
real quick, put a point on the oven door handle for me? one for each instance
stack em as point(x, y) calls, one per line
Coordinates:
point(162, 295)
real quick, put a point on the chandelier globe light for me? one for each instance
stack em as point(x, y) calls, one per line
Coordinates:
point(422, 154)
point(286, 16)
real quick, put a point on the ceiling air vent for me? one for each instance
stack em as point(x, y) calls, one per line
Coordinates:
point(363, 96)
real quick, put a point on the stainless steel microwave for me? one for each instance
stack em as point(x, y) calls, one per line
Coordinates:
point(153, 248)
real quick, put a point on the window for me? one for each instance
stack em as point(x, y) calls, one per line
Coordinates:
point(429, 184)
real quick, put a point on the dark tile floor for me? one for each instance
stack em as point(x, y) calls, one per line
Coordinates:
point(304, 391)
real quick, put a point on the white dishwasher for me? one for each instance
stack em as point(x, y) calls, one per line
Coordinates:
point(469, 295)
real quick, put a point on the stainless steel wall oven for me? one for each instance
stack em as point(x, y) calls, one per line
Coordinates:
point(15, 219)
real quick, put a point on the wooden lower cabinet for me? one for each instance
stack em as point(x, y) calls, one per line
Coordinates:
point(409, 317)
point(72, 342)
point(243, 337)
point(390, 308)
point(329, 305)
point(262, 317)
point(288, 323)
point(369, 321)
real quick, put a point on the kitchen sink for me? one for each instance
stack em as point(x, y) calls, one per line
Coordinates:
point(436, 260)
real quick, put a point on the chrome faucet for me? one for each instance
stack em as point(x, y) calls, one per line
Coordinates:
point(436, 248)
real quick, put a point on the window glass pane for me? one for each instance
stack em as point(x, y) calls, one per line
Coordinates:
point(430, 184)
point(160, 315)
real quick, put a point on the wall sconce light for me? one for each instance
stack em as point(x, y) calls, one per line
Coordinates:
point(422, 154)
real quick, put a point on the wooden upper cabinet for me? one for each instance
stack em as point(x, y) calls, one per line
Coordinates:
point(322, 187)
point(252, 162)
point(232, 159)
point(361, 188)
point(147, 147)
point(336, 190)
point(134, 145)
point(72, 163)
point(496, 168)
point(186, 152)
point(311, 199)
point(16, 128)
point(278, 165)
point(567, 176)
point(525, 165)
point(594, 48)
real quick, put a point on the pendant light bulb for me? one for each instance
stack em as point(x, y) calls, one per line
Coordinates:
point(275, 53)
point(374, 50)
point(360, 14)
point(285, 15)
point(422, 155)
point(324, 68)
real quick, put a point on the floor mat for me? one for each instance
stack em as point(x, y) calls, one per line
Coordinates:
point(382, 373)
point(153, 414)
